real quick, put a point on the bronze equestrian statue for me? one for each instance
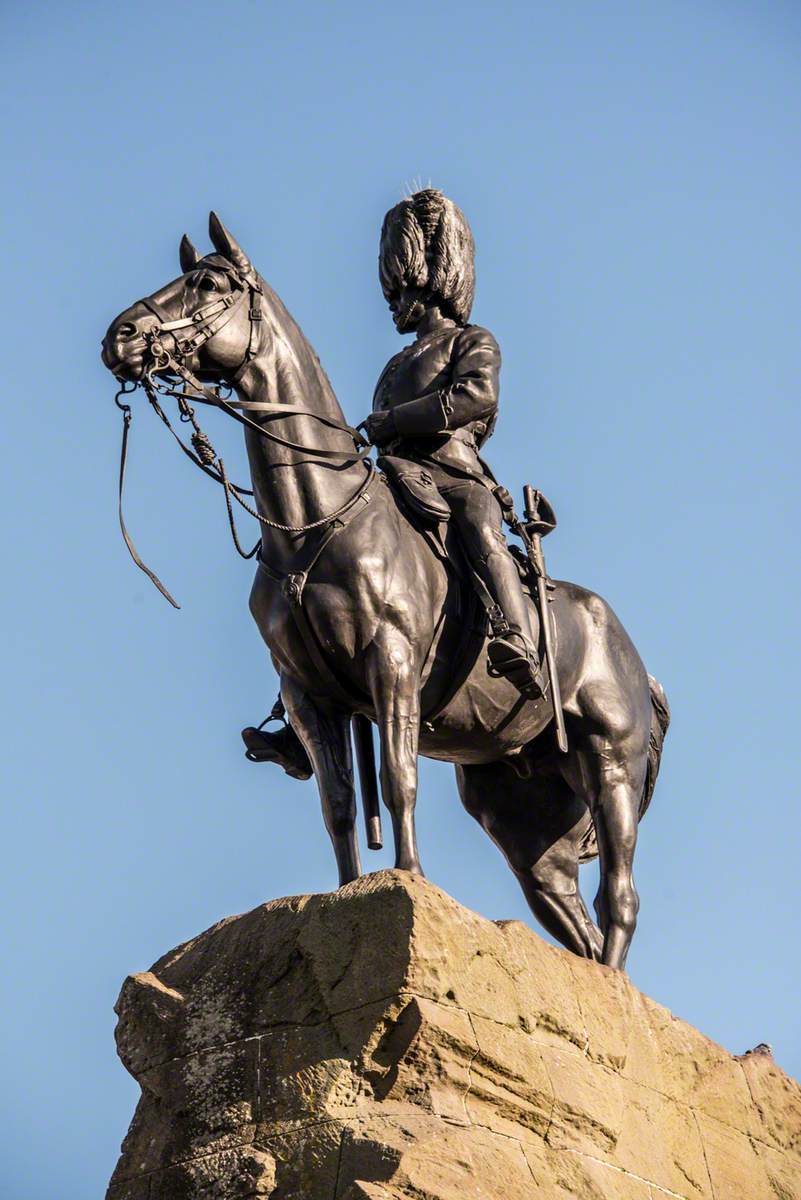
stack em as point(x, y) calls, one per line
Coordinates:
point(368, 602)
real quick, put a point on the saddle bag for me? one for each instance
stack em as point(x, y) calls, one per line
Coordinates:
point(416, 488)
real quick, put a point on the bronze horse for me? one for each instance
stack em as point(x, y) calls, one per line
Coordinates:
point(388, 613)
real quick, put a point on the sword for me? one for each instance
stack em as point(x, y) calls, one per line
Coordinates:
point(531, 532)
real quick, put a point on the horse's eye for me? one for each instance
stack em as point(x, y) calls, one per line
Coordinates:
point(207, 284)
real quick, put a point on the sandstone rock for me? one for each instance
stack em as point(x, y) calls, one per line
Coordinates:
point(384, 1043)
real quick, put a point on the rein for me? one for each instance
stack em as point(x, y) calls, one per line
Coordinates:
point(127, 417)
point(206, 322)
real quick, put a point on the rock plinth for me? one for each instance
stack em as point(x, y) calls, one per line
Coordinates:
point(382, 1042)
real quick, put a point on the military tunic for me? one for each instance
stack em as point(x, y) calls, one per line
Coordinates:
point(443, 394)
point(442, 391)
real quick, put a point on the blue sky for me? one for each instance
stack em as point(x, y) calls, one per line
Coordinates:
point(632, 176)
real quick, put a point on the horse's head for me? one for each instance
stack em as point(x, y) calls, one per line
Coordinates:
point(206, 319)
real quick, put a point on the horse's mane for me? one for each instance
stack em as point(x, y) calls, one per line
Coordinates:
point(313, 380)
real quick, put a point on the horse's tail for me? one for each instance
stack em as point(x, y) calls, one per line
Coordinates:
point(660, 720)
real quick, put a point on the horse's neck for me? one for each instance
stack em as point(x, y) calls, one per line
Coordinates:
point(291, 488)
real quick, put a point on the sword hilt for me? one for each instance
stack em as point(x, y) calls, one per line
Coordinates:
point(539, 515)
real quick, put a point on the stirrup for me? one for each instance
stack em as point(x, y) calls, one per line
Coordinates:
point(514, 661)
point(283, 747)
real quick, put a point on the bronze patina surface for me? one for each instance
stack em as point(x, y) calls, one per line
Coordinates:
point(369, 611)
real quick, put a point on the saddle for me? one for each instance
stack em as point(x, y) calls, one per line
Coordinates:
point(429, 512)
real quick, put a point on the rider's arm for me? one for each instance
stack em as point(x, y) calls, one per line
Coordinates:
point(471, 396)
point(476, 364)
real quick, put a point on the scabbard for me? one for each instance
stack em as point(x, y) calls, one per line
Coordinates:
point(550, 658)
point(365, 758)
point(536, 566)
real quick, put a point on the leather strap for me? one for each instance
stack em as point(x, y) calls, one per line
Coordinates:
point(210, 318)
point(301, 568)
point(208, 321)
point(153, 306)
point(126, 425)
point(295, 410)
point(190, 454)
point(205, 396)
point(201, 314)
point(473, 635)
point(206, 332)
point(293, 583)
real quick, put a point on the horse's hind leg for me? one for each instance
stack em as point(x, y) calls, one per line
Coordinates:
point(325, 733)
point(539, 825)
point(609, 770)
point(615, 814)
point(551, 886)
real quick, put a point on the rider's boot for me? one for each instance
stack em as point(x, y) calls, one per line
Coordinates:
point(512, 651)
point(515, 657)
point(283, 747)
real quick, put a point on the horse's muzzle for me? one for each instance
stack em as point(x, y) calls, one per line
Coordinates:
point(124, 346)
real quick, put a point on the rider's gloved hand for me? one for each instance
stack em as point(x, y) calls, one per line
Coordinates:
point(380, 428)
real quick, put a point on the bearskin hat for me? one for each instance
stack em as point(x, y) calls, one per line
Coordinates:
point(426, 242)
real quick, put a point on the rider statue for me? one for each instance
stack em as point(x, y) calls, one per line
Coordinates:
point(436, 404)
point(434, 407)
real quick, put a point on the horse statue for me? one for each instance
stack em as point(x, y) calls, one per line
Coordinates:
point(366, 612)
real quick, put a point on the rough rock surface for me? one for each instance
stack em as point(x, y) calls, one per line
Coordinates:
point(382, 1042)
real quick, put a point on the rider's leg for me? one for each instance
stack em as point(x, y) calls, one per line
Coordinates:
point(479, 521)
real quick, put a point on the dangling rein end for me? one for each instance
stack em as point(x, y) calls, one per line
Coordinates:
point(127, 417)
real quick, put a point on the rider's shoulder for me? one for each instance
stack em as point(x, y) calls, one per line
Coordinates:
point(402, 353)
point(477, 338)
point(390, 366)
point(396, 358)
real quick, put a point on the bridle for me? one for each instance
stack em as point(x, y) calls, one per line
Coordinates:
point(160, 363)
point(208, 320)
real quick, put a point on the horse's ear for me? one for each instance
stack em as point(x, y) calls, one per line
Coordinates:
point(226, 244)
point(188, 255)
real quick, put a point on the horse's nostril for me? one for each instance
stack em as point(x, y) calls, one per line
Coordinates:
point(126, 330)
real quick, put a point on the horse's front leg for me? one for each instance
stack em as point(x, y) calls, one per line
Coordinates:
point(325, 733)
point(394, 678)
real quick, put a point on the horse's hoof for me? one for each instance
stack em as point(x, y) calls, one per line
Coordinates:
point(413, 867)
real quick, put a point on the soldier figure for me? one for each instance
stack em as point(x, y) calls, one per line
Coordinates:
point(436, 403)
point(434, 407)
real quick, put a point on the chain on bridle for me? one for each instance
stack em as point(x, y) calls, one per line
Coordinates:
point(161, 363)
